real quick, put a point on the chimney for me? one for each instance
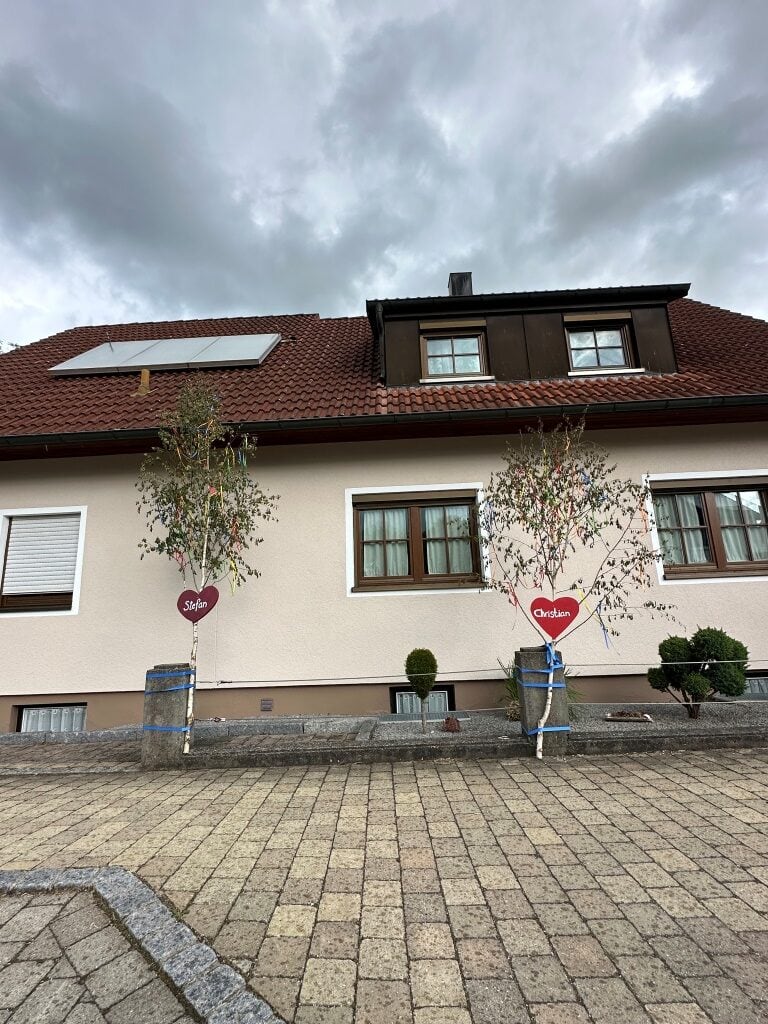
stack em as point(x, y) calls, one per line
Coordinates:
point(460, 283)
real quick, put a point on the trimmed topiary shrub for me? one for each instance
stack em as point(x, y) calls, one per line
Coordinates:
point(421, 670)
point(710, 663)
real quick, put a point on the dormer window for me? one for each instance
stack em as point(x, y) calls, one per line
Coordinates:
point(453, 351)
point(593, 348)
point(599, 343)
point(454, 356)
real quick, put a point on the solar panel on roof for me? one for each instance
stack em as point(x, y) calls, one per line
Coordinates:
point(103, 358)
point(232, 350)
point(170, 354)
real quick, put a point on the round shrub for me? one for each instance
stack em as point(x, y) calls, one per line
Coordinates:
point(710, 663)
point(421, 670)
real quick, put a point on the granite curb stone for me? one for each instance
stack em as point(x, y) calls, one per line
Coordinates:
point(212, 988)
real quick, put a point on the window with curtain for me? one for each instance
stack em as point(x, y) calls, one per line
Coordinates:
point(710, 532)
point(422, 544)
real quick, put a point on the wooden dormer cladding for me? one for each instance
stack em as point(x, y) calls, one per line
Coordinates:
point(525, 333)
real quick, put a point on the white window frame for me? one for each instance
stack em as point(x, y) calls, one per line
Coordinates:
point(403, 491)
point(721, 474)
point(8, 513)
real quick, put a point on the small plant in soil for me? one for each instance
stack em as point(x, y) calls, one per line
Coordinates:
point(696, 670)
point(628, 716)
point(421, 670)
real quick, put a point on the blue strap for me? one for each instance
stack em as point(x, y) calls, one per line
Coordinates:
point(552, 659)
point(553, 663)
point(542, 686)
point(166, 728)
point(171, 675)
point(171, 689)
point(546, 728)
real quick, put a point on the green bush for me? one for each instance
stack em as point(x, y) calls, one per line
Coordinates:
point(421, 670)
point(710, 663)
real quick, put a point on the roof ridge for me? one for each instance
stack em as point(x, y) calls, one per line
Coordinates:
point(721, 309)
point(169, 323)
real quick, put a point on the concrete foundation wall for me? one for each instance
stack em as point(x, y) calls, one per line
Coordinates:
point(298, 622)
point(108, 710)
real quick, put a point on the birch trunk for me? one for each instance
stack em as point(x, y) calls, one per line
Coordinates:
point(545, 715)
point(195, 634)
point(191, 690)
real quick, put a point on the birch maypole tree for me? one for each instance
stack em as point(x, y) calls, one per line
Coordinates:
point(561, 525)
point(202, 506)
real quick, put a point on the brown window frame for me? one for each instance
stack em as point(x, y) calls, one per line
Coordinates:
point(418, 578)
point(454, 332)
point(719, 566)
point(622, 326)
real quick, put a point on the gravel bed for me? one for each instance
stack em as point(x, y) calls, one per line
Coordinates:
point(670, 718)
point(475, 726)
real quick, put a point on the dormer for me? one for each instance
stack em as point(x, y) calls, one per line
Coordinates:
point(464, 338)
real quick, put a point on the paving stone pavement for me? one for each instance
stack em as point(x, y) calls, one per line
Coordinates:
point(63, 960)
point(592, 889)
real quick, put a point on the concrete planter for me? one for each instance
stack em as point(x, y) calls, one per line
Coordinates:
point(532, 668)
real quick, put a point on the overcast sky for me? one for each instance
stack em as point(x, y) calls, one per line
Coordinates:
point(189, 158)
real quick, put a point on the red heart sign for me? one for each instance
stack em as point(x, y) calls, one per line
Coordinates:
point(554, 617)
point(194, 606)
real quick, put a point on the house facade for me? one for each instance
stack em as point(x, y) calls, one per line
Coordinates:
point(379, 433)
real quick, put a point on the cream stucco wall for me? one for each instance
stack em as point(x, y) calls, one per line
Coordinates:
point(298, 622)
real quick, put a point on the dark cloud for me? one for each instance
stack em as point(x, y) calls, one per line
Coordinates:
point(174, 159)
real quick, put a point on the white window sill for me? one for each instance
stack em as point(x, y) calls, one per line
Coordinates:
point(473, 379)
point(434, 592)
point(606, 372)
point(37, 615)
point(684, 581)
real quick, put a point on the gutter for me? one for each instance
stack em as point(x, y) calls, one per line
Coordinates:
point(18, 441)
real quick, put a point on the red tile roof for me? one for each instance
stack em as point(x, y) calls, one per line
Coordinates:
point(325, 369)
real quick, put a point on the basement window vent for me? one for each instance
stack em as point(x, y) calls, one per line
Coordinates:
point(170, 354)
point(52, 718)
point(410, 703)
point(266, 704)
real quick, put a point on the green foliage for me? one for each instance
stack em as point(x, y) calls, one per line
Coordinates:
point(697, 686)
point(421, 670)
point(710, 663)
point(200, 503)
point(675, 654)
point(714, 648)
point(557, 503)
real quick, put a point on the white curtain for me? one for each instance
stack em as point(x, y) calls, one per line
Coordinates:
point(697, 546)
point(735, 542)
point(758, 537)
point(436, 555)
point(385, 542)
